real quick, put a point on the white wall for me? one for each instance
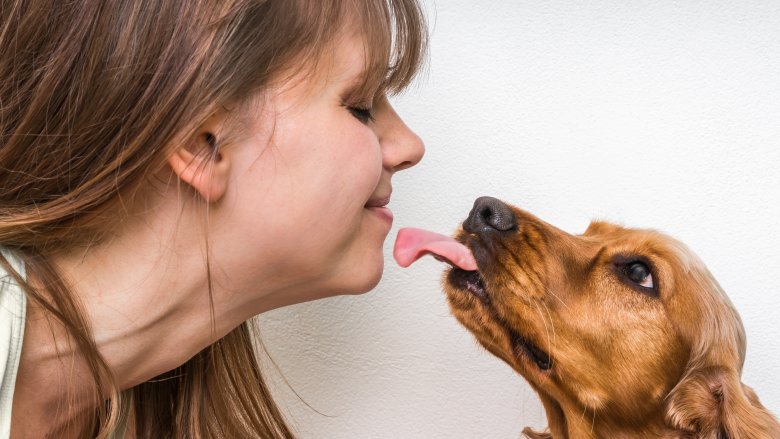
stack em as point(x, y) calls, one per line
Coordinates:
point(662, 114)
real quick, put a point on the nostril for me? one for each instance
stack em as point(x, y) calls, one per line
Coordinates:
point(486, 214)
point(403, 165)
point(490, 214)
point(498, 217)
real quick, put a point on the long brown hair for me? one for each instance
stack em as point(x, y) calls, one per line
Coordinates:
point(93, 94)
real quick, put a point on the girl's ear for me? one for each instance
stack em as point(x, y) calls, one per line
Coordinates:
point(713, 403)
point(200, 164)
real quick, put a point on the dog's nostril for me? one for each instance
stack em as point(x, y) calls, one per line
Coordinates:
point(486, 214)
point(490, 214)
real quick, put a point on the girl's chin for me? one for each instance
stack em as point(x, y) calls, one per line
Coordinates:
point(369, 282)
point(356, 268)
point(362, 276)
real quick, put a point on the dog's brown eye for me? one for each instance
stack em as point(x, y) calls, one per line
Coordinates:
point(640, 274)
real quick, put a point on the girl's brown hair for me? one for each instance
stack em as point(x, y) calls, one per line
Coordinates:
point(93, 95)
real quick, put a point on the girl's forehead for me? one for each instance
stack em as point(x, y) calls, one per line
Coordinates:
point(372, 45)
point(343, 64)
point(346, 58)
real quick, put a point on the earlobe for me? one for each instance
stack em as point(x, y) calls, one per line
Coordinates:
point(696, 403)
point(712, 402)
point(202, 167)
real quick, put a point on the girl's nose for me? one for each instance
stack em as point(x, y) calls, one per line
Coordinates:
point(401, 147)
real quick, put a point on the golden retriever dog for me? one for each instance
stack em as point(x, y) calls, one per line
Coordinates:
point(623, 333)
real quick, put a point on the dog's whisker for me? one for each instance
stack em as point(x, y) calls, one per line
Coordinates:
point(552, 293)
point(547, 333)
point(554, 337)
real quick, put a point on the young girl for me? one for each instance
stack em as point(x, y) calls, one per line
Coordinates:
point(169, 169)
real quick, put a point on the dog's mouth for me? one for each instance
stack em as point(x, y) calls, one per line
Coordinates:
point(412, 244)
point(522, 345)
point(472, 282)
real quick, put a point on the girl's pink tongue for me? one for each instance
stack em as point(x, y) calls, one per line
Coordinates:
point(411, 244)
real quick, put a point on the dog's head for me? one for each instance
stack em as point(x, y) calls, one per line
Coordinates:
point(620, 331)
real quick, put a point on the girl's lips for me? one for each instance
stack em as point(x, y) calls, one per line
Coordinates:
point(382, 212)
point(378, 202)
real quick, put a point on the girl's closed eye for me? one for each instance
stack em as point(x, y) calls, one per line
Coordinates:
point(362, 113)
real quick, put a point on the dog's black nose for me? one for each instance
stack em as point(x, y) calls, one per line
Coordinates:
point(490, 214)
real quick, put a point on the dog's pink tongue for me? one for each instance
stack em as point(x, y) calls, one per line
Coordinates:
point(411, 244)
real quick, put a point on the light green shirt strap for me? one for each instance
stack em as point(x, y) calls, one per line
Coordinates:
point(13, 307)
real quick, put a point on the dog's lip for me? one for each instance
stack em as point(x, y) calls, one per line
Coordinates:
point(470, 281)
point(541, 358)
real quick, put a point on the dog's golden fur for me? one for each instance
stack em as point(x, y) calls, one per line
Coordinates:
point(621, 363)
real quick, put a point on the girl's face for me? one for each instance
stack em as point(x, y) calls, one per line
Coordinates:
point(302, 216)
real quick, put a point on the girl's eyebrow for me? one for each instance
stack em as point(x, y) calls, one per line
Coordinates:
point(368, 83)
point(359, 87)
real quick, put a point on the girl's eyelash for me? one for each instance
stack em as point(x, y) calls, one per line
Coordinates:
point(362, 114)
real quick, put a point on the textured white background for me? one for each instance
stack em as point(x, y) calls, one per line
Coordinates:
point(662, 114)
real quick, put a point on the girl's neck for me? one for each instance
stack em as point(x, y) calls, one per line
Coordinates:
point(145, 293)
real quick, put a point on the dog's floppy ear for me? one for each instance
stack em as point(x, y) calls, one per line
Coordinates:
point(531, 434)
point(713, 403)
point(556, 423)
